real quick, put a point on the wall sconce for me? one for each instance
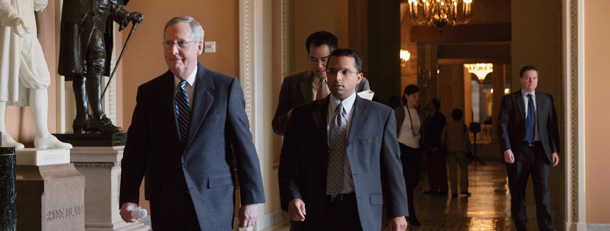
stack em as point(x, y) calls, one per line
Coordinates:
point(404, 57)
point(480, 69)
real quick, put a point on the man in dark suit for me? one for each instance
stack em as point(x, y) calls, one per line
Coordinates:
point(308, 85)
point(190, 156)
point(340, 159)
point(529, 140)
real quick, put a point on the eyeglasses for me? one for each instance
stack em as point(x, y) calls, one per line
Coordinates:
point(180, 43)
point(343, 72)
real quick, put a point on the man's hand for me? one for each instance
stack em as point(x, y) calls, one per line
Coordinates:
point(296, 210)
point(509, 157)
point(136, 17)
point(126, 212)
point(398, 224)
point(555, 158)
point(248, 215)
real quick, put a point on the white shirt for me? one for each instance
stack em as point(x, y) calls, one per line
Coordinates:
point(526, 100)
point(406, 136)
point(189, 88)
point(316, 84)
point(348, 103)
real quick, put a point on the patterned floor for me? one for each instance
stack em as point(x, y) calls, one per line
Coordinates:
point(487, 209)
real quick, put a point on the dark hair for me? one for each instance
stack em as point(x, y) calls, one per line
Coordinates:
point(527, 68)
point(350, 53)
point(436, 103)
point(409, 90)
point(320, 38)
point(457, 114)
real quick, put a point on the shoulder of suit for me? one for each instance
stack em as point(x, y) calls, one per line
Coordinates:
point(295, 76)
point(374, 105)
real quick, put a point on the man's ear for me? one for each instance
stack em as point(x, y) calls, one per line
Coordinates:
point(360, 75)
point(200, 47)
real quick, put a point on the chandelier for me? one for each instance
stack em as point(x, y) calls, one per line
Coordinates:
point(480, 69)
point(440, 12)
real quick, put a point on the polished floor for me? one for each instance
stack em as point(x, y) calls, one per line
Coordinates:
point(487, 209)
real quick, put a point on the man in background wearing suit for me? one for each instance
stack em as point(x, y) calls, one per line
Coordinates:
point(529, 140)
point(189, 152)
point(308, 85)
point(340, 159)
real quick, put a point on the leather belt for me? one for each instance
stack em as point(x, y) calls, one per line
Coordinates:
point(534, 143)
point(341, 197)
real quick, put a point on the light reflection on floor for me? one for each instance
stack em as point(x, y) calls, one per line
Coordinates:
point(487, 209)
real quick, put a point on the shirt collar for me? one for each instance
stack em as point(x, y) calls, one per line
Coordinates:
point(524, 93)
point(190, 80)
point(348, 103)
point(316, 80)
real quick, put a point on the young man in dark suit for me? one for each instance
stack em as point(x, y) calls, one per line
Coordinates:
point(189, 152)
point(340, 159)
point(308, 85)
point(529, 141)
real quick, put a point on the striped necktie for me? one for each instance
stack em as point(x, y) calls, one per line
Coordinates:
point(183, 112)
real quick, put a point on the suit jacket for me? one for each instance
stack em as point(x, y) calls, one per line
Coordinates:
point(511, 123)
point(372, 151)
point(218, 125)
point(296, 90)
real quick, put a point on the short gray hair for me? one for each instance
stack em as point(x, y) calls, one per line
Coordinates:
point(196, 30)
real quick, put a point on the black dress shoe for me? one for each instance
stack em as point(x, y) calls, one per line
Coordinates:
point(430, 192)
point(413, 221)
point(103, 125)
point(79, 125)
point(466, 193)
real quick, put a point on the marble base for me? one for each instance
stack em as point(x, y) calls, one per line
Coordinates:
point(50, 198)
point(102, 168)
point(41, 157)
point(8, 195)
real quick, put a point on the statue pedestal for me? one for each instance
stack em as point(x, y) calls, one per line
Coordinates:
point(8, 197)
point(50, 193)
point(102, 168)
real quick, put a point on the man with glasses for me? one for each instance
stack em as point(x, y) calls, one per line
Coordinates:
point(340, 159)
point(308, 85)
point(84, 56)
point(187, 127)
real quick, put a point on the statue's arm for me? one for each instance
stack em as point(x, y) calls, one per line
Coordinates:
point(123, 17)
point(40, 5)
point(7, 13)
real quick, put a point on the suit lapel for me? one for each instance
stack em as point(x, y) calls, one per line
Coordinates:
point(306, 89)
point(202, 100)
point(167, 111)
point(359, 117)
point(520, 104)
point(320, 117)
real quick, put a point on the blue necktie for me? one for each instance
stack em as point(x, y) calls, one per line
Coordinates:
point(183, 112)
point(530, 121)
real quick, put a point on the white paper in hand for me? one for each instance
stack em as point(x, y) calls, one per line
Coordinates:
point(366, 94)
point(139, 213)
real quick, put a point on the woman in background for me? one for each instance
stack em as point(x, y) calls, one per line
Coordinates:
point(408, 126)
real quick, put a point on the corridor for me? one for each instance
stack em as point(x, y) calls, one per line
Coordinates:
point(487, 209)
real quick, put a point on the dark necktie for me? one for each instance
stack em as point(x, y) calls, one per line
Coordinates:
point(321, 94)
point(530, 121)
point(183, 112)
point(338, 142)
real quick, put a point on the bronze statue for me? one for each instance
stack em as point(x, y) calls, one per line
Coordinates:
point(84, 56)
